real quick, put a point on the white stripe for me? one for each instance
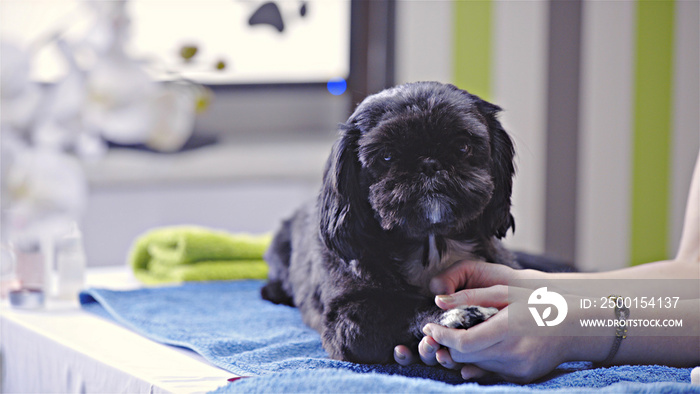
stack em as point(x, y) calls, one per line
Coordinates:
point(607, 73)
point(520, 61)
point(424, 37)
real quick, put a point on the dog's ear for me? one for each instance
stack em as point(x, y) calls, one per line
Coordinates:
point(341, 200)
point(496, 218)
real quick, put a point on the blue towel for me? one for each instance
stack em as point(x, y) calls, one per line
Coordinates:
point(233, 328)
point(344, 381)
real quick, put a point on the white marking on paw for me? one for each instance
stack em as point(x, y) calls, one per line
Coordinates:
point(465, 316)
point(487, 311)
point(452, 318)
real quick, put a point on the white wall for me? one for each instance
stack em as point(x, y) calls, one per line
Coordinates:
point(520, 87)
point(424, 41)
point(605, 155)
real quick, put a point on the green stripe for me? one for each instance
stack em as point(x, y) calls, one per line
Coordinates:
point(652, 132)
point(472, 46)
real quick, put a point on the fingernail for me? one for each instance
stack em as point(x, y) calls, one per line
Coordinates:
point(446, 299)
point(399, 355)
point(466, 375)
point(437, 357)
point(426, 331)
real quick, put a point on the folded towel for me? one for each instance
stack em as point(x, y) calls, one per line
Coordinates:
point(233, 328)
point(190, 253)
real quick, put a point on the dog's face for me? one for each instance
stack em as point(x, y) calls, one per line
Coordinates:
point(420, 159)
point(427, 167)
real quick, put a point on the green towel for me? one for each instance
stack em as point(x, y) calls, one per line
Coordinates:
point(190, 253)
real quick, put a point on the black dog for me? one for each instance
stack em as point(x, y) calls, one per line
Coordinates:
point(420, 177)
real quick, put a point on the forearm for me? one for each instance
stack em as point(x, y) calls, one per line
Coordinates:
point(671, 351)
point(645, 345)
point(670, 269)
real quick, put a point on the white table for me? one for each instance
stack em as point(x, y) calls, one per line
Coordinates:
point(62, 349)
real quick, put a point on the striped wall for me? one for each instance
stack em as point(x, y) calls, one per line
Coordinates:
point(635, 214)
point(601, 98)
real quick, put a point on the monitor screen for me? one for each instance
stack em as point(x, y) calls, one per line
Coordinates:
point(218, 42)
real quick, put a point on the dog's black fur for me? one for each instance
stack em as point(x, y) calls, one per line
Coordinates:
point(420, 177)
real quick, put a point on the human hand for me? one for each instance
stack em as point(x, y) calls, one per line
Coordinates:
point(464, 274)
point(469, 274)
point(429, 350)
point(488, 347)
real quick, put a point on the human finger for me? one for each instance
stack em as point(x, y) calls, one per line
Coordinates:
point(444, 357)
point(474, 339)
point(494, 296)
point(453, 278)
point(470, 371)
point(427, 348)
point(471, 274)
point(404, 356)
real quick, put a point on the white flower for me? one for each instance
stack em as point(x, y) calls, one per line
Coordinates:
point(15, 70)
point(10, 147)
point(66, 98)
point(109, 27)
point(42, 183)
point(125, 106)
point(118, 99)
point(90, 146)
point(19, 98)
point(60, 119)
point(172, 118)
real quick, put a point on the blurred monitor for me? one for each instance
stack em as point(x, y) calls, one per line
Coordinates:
point(257, 55)
point(257, 42)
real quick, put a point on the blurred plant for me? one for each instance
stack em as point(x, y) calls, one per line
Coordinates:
point(43, 187)
point(187, 52)
point(105, 96)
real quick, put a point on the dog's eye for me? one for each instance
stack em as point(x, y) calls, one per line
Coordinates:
point(465, 149)
point(387, 157)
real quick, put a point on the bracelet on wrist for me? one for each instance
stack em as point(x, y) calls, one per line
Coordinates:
point(622, 313)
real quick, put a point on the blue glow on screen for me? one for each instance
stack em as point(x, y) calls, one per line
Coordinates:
point(337, 86)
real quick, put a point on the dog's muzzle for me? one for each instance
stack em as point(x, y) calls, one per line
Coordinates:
point(436, 211)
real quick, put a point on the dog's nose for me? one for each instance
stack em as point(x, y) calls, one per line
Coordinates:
point(430, 166)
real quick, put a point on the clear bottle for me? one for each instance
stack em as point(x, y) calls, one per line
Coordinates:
point(69, 272)
point(29, 263)
point(28, 287)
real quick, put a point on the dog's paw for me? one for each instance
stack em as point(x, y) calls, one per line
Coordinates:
point(466, 316)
